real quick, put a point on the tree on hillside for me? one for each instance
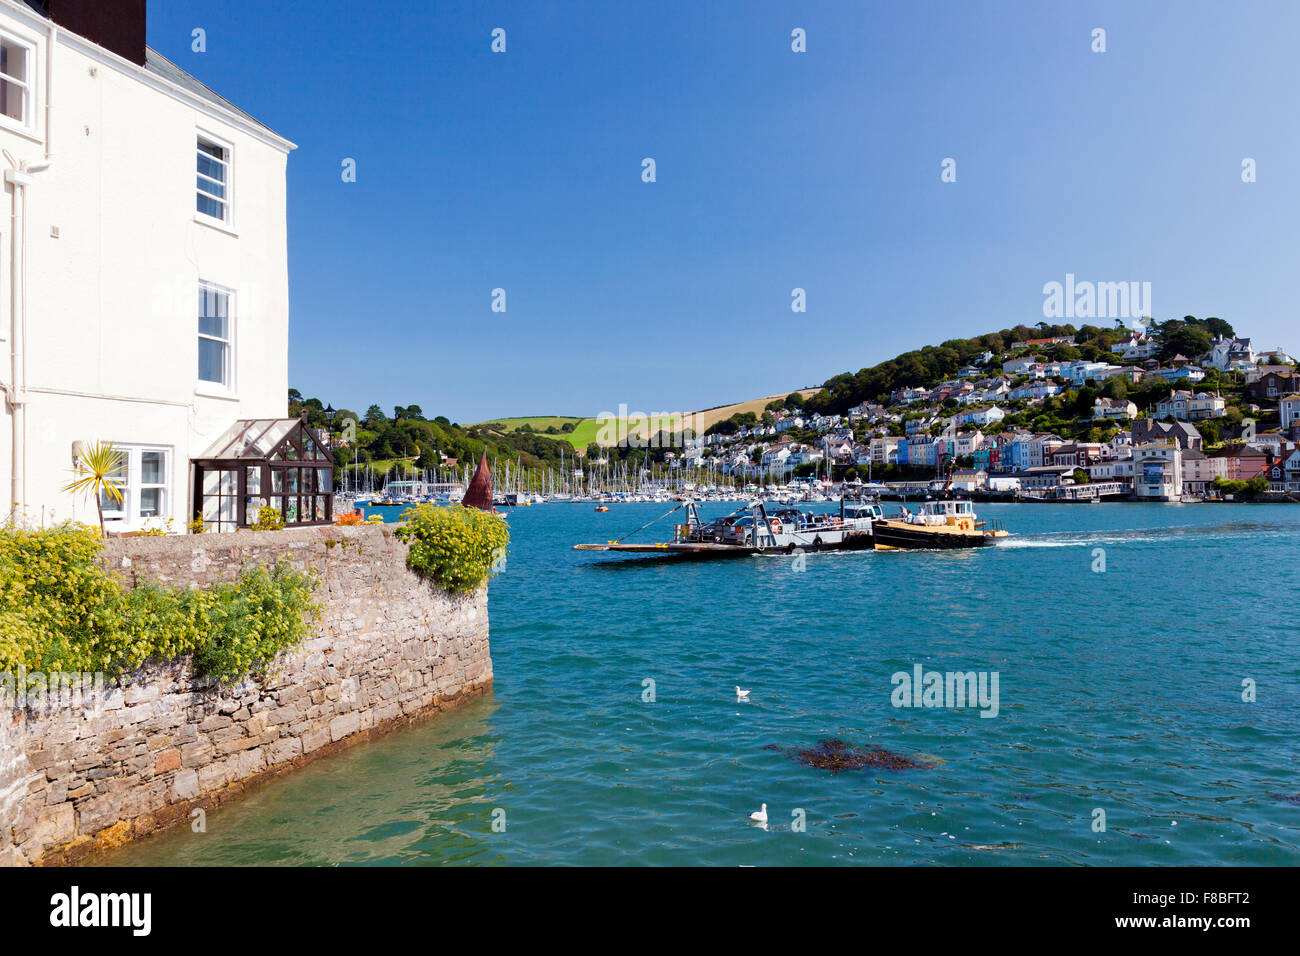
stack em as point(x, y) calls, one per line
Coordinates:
point(1180, 338)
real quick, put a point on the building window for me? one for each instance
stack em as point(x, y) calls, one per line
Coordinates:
point(142, 476)
point(214, 335)
point(15, 67)
point(213, 178)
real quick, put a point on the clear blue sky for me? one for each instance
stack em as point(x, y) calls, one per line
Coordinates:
point(775, 170)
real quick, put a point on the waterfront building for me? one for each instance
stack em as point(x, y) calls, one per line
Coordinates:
point(1242, 461)
point(1199, 471)
point(1158, 471)
point(970, 480)
point(145, 277)
point(1291, 471)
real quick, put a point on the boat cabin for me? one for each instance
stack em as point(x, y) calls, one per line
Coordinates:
point(954, 513)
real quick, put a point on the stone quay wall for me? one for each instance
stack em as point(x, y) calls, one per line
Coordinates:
point(142, 755)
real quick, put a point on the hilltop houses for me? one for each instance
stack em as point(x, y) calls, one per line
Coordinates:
point(1112, 409)
point(1132, 442)
point(1230, 354)
point(986, 415)
point(1138, 347)
point(146, 282)
point(1288, 409)
point(1145, 431)
point(1188, 407)
point(1274, 385)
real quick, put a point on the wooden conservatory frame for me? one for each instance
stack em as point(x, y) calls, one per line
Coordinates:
point(264, 462)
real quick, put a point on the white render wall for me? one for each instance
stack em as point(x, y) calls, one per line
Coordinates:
point(112, 314)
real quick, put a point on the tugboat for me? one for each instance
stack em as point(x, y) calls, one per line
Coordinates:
point(947, 523)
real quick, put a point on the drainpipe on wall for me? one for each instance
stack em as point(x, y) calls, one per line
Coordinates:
point(19, 177)
point(17, 332)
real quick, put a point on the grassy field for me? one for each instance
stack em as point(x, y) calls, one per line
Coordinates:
point(586, 429)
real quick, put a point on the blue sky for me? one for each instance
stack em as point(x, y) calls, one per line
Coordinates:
point(775, 170)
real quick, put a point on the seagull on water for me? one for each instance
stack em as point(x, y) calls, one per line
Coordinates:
point(759, 816)
point(741, 694)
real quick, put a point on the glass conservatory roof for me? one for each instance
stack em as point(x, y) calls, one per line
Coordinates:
point(276, 439)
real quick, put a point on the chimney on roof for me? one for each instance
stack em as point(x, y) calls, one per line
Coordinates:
point(116, 25)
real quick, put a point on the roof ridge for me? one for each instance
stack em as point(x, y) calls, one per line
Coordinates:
point(153, 60)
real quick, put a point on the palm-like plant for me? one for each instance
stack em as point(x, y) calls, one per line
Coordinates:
point(98, 467)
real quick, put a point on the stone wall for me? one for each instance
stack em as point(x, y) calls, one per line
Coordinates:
point(141, 756)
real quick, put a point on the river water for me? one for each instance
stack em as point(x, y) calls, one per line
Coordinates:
point(1122, 636)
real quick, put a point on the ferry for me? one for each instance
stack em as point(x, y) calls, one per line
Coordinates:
point(764, 528)
point(944, 523)
point(757, 528)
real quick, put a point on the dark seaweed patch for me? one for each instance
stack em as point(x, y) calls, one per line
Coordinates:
point(838, 755)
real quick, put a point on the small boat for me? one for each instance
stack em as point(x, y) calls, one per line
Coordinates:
point(602, 507)
point(945, 523)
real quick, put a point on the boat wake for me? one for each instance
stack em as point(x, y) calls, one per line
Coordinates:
point(1075, 539)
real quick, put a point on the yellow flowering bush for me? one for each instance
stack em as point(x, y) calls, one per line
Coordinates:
point(458, 548)
point(268, 519)
point(61, 611)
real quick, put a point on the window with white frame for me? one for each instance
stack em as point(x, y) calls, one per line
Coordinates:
point(15, 70)
point(142, 477)
point(213, 179)
point(215, 335)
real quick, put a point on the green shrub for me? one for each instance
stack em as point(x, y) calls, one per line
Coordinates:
point(456, 547)
point(61, 611)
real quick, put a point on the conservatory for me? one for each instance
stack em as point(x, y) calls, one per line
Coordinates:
point(259, 463)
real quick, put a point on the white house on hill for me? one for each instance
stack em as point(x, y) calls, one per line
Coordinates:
point(144, 289)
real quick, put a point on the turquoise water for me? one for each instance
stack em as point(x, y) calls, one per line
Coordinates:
point(1119, 691)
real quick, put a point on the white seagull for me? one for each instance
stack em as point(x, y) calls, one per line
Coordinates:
point(741, 694)
point(759, 816)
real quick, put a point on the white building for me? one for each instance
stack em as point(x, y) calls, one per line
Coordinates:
point(1104, 409)
point(982, 416)
point(884, 450)
point(144, 293)
point(1158, 471)
point(967, 443)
